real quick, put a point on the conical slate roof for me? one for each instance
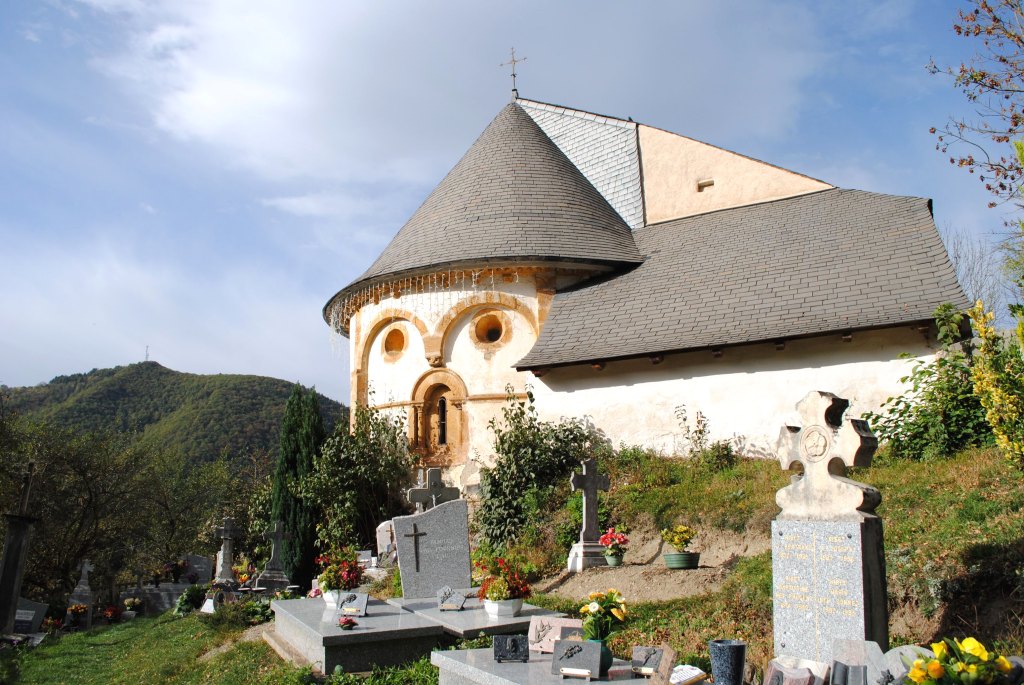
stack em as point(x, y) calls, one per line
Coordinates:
point(514, 195)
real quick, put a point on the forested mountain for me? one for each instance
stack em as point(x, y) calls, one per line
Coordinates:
point(202, 416)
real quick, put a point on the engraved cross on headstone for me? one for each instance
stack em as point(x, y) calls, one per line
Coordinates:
point(434, 492)
point(416, 534)
point(826, 445)
point(276, 535)
point(590, 481)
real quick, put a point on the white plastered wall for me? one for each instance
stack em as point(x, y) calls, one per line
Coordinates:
point(747, 394)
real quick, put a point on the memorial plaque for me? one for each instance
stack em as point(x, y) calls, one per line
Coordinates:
point(823, 584)
point(571, 659)
point(352, 604)
point(34, 617)
point(663, 673)
point(545, 630)
point(511, 648)
point(433, 549)
point(450, 600)
point(23, 620)
point(646, 660)
point(777, 674)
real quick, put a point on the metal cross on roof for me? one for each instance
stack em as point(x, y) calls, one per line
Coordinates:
point(826, 445)
point(513, 62)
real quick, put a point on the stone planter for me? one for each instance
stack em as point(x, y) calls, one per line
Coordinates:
point(332, 597)
point(127, 615)
point(503, 607)
point(681, 560)
point(613, 559)
point(607, 658)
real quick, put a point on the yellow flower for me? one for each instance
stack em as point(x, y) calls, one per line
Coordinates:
point(940, 649)
point(972, 668)
point(935, 670)
point(1003, 664)
point(959, 666)
point(595, 595)
point(594, 607)
point(917, 675)
point(918, 663)
point(619, 614)
point(584, 609)
point(975, 648)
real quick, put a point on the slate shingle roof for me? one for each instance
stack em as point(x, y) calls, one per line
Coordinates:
point(514, 195)
point(829, 261)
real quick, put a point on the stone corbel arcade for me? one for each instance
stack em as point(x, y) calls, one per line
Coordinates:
point(437, 421)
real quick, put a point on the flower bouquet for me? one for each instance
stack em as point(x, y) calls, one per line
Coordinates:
point(347, 623)
point(76, 612)
point(959, 663)
point(52, 626)
point(679, 538)
point(340, 571)
point(503, 587)
point(614, 546)
point(603, 615)
point(112, 613)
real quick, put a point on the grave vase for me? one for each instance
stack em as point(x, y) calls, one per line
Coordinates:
point(681, 560)
point(503, 607)
point(613, 559)
point(332, 598)
point(606, 657)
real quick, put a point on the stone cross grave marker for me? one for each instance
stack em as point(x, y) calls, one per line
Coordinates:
point(226, 556)
point(83, 594)
point(15, 551)
point(828, 561)
point(588, 551)
point(434, 492)
point(273, 576)
point(433, 549)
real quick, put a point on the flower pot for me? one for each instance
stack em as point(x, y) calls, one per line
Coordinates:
point(503, 607)
point(613, 559)
point(606, 657)
point(728, 658)
point(332, 598)
point(127, 615)
point(678, 560)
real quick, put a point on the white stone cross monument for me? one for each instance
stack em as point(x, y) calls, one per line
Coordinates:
point(433, 493)
point(226, 556)
point(273, 576)
point(588, 551)
point(828, 561)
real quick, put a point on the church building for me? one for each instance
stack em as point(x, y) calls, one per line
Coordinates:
point(627, 275)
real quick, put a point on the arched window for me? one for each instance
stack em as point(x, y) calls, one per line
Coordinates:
point(442, 421)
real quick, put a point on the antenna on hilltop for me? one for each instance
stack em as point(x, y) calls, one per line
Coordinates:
point(147, 353)
point(513, 62)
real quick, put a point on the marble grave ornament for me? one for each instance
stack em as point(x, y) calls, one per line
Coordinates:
point(450, 600)
point(646, 660)
point(432, 493)
point(588, 551)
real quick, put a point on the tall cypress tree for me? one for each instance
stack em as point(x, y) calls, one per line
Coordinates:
point(302, 435)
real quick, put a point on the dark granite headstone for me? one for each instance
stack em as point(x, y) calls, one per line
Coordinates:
point(573, 659)
point(353, 604)
point(29, 615)
point(511, 648)
point(663, 673)
point(646, 660)
point(450, 600)
point(433, 549)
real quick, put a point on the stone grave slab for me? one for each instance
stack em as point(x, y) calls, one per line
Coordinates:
point(544, 630)
point(450, 600)
point(646, 659)
point(576, 659)
point(472, 621)
point(385, 538)
point(29, 615)
point(433, 549)
point(477, 666)
point(433, 492)
point(386, 636)
point(201, 566)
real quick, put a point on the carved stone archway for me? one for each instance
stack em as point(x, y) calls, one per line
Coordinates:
point(438, 429)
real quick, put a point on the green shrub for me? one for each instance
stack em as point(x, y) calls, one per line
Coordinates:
point(534, 458)
point(191, 599)
point(718, 456)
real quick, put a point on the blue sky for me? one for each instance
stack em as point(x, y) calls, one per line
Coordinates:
point(201, 176)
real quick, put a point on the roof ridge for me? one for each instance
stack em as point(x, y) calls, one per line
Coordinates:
point(575, 111)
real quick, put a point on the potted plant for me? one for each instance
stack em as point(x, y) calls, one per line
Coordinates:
point(132, 606)
point(959, 663)
point(614, 546)
point(678, 538)
point(503, 587)
point(177, 568)
point(603, 615)
point(112, 613)
point(340, 572)
point(158, 574)
point(75, 614)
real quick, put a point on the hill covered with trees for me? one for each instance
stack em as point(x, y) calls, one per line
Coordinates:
point(201, 416)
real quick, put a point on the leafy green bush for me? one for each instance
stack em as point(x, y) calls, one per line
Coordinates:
point(358, 479)
point(939, 414)
point(534, 457)
point(718, 456)
point(191, 599)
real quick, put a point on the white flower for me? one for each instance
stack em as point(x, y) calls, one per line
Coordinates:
point(594, 607)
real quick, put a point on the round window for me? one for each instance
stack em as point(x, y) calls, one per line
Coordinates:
point(489, 328)
point(394, 342)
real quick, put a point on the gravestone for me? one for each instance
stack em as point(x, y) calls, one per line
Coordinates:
point(576, 659)
point(511, 648)
point(226, 556)
point(12, 565)
point(29, 616)
point(83, 594)
point(273, 576)
point(433, 549)
point(385, 540)
point(450, 600)
point(433, 492)
point(588, 551)
point(646, 660)
point(200, 566)
point(828, 561)
point(545, 630)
